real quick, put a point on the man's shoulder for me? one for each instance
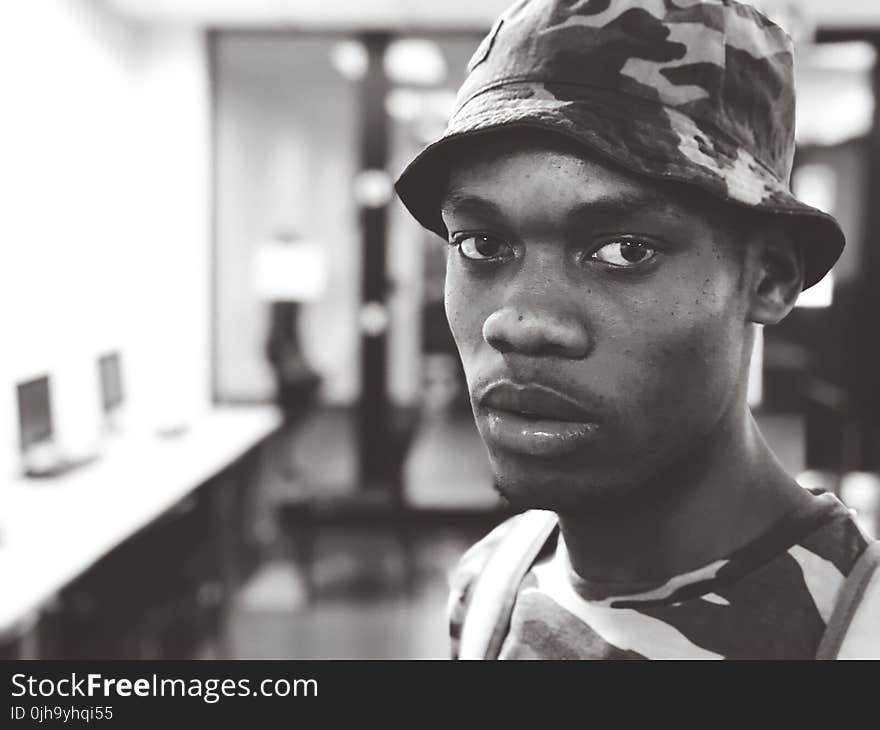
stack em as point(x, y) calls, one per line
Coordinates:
point(470, 565)
point(839, 539)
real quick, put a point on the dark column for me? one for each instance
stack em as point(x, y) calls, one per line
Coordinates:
point(867, 311)
point(373, 418)
point(860, 305)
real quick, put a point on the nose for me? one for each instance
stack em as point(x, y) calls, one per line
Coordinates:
point(537, 330)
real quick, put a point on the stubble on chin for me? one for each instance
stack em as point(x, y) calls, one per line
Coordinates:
point(564, 494)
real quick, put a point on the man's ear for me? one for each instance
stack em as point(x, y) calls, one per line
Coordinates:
point(778, 275)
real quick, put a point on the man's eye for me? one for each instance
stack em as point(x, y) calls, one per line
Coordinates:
point(482, 248)
point(625, 253)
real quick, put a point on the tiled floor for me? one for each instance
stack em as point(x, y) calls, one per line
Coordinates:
point(359, 609)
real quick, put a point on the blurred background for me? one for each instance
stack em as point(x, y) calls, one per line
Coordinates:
point(232, 420)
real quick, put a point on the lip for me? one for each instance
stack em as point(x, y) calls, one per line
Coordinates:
point(535, 420)
point(534, 401)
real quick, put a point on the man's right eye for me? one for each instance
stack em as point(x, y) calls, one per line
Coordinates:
point(482, 247)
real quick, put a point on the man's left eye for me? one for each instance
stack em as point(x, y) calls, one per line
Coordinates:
point(625, 253)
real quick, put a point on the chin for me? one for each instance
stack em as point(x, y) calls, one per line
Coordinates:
point(548, 488)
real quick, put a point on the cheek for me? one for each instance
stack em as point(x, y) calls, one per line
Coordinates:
point(464, 311)
point(684, 360)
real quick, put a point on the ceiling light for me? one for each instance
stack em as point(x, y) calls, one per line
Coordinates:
point(855, 56)
point(350, 59)
point(415, 61)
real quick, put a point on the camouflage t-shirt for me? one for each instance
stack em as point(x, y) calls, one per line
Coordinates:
point(768, 600)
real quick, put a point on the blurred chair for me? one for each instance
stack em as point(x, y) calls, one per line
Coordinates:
point(319, 509)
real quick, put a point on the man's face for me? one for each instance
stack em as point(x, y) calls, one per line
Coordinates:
point(601, 321)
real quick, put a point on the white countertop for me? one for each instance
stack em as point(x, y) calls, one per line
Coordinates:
point(52, 530)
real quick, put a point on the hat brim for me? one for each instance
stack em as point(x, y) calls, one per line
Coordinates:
point(645, 138)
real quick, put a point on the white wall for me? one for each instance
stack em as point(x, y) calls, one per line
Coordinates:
point(288, 146)
point(104, 230)
point(286, 157)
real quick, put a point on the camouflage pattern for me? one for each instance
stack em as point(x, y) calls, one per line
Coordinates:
point(698, 91)
point(771, 599)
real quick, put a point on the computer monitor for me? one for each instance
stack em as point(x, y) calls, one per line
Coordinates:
point(41, 454)
point(110, 374)
point(34, 413)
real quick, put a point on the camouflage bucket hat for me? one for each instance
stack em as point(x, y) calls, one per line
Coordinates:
point(695, 91)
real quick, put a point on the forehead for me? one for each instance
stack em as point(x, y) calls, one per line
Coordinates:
point(525, 172)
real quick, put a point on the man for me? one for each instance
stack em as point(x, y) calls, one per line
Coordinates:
point(613, 185)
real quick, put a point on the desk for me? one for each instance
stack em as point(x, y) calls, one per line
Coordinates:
point(52, 531)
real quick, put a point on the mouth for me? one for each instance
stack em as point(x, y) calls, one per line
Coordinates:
point(535, 420)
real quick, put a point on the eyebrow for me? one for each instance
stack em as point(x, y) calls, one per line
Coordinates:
point(460, 202)
point(608, 207)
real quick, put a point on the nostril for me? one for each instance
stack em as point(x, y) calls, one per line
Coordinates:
point(501, 344)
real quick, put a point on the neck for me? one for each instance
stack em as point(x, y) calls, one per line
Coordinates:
point(727, 492)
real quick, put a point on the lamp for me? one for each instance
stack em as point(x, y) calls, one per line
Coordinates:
point(287, 271)
point(287, 268)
